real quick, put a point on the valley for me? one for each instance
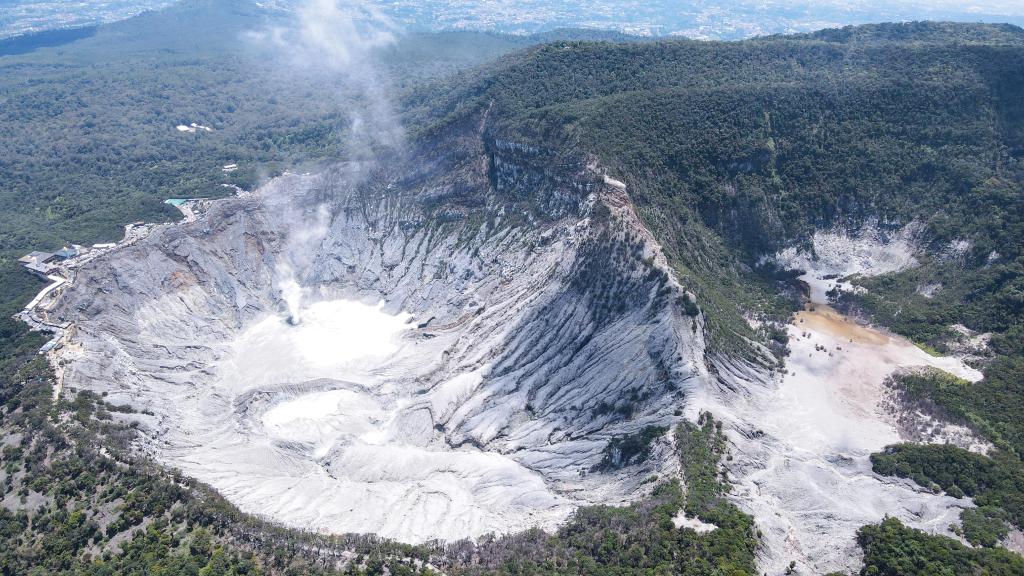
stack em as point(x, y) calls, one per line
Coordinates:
point(331, 408)
point(803, 435)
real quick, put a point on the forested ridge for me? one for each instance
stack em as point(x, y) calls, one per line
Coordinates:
point(733, 150)
point(730, 150)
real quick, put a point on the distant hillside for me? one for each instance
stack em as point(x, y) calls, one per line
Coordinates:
point(922, 33)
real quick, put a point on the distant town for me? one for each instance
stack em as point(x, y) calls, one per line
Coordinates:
point(702, 19)
point(27, 17)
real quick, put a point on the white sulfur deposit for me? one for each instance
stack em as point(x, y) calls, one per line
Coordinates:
point(681, 520)
point(338, 450)
point(336, 339)
point(803, 436)
point(836, 254)
point(345, 363)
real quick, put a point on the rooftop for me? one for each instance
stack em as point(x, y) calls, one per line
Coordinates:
point(36, 256)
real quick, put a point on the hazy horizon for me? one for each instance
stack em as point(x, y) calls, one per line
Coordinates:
point(711, 19)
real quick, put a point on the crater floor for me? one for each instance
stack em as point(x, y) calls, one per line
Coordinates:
point(328, 438)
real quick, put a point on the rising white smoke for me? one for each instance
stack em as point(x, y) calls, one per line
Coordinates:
point(338, 42)
point(299, 251)
point(342, 34)
point(335, 42)
point(291, 292)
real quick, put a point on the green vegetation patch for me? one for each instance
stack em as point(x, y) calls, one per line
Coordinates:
point(985, 526)
point(892, 549)
point(996, 483)
point(640, 539)
point(631, 449)
point(992, 407)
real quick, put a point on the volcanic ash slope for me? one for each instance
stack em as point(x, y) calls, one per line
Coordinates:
point(471, 328)
point(803, 436)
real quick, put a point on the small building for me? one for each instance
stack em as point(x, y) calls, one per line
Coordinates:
point(39, 263)
point(53, 344)
point(41, 268)
point(37, 257)
point(67, 252)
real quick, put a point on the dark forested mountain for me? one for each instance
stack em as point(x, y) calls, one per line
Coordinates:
point(730, 151)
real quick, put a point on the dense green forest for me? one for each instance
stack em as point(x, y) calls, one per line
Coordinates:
point(730, 151)
point(892, 549)
point(733, 150)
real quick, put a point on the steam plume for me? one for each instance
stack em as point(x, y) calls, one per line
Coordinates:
point(299, 251)
point(337, 42)
point(334, 42)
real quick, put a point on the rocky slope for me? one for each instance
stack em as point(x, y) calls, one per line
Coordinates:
point(525, 319)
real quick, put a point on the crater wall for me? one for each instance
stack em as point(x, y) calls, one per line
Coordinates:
point(473, 328)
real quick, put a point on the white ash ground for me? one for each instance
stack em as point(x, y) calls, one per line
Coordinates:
point(337, 441)
point(835, 255)
point(681, 520)
point(972, 347)
point(802, 437)
point(466, 404)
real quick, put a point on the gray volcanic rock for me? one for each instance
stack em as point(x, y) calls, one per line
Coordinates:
point(525, 317)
